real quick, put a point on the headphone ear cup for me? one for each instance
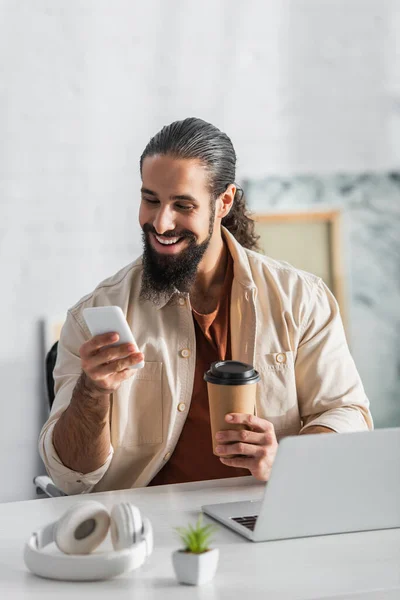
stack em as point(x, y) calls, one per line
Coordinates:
point(148, 535)
point(126, 525)
point(82, 528)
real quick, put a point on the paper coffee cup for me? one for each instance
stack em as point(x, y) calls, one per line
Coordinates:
point(231, 388)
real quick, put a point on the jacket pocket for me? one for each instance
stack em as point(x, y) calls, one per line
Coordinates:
point(138, 407)
point(277, 361)
point(277, 395)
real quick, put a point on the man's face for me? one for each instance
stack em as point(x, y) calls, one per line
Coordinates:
point(177, 219)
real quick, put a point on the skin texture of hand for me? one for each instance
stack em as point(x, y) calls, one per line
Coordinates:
point(257, 446)
point(106, 367)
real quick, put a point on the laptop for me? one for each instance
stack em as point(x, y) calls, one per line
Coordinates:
point(322, 484)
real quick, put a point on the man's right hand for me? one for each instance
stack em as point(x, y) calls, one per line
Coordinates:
point(81, 435)
point(106, 367)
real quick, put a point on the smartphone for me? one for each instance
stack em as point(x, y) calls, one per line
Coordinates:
point(110, 319)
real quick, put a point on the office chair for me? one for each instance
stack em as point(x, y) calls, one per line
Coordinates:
point(43, 483)
point(51, 360)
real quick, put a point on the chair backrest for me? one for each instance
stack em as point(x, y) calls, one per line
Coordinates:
point(51, 358)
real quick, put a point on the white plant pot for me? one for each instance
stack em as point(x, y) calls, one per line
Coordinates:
point(195, 569)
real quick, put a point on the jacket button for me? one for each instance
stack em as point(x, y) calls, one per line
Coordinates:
point(281, 358)
point(181, 407)
point(185, 353)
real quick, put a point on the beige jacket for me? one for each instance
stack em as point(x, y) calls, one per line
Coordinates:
point(284, 321)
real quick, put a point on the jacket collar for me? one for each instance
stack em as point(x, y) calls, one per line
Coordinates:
point(242, 271)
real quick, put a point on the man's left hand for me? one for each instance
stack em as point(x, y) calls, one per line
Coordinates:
point(256, 446)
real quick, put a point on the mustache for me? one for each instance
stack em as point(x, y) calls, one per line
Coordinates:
point(184, 233)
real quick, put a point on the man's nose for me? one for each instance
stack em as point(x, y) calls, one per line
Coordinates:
point(164, 221)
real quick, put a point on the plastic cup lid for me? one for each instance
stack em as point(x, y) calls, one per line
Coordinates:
point(231, 372)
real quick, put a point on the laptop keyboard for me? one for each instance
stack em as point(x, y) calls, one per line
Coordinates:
point(249, 521)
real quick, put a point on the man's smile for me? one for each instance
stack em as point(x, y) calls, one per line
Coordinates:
point(165, 244)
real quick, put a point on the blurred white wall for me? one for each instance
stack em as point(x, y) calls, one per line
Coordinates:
point(301, 85)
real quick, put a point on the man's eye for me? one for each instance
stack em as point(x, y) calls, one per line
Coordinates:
point(184, 206)
point(150, 200)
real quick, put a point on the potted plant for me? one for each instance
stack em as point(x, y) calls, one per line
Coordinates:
point(196, 563)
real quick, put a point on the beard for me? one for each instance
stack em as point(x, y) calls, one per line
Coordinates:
point(164, 274)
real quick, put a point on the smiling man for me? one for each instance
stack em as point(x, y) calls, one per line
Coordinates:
point(199, 293)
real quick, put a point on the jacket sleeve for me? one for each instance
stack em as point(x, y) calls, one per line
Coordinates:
point(66, 374)
point(329, 388)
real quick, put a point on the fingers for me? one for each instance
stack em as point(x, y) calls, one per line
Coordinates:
point(253, 422)
point(255, 447)
point(105, 365)
point(96, 343)
point(259, 460)
point(241, 463)
point(242, 449)
point(111, 353)
point(242, 435)
point(116, 366)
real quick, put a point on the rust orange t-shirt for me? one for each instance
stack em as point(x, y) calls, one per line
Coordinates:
point(193, 458)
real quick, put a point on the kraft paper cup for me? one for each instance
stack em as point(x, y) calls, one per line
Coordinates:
point(232, 387)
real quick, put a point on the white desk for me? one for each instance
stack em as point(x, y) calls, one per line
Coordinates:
point(353, 566)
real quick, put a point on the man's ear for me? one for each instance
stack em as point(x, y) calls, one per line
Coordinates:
point(225, 201)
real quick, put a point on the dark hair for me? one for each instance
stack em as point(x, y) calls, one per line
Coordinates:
point(196, 139)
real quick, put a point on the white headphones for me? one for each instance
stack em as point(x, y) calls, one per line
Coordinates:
point(79, 531)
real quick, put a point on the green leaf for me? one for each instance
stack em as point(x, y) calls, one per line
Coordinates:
point(196, 539)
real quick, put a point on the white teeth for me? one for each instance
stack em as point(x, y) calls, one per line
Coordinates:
point(167, 241)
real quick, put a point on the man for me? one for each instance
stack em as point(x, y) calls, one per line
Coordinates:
point(199, 293)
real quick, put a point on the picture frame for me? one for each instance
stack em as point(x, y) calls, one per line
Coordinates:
point(310, 241)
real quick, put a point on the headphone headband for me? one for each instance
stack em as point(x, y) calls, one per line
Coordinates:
point(84, 567)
